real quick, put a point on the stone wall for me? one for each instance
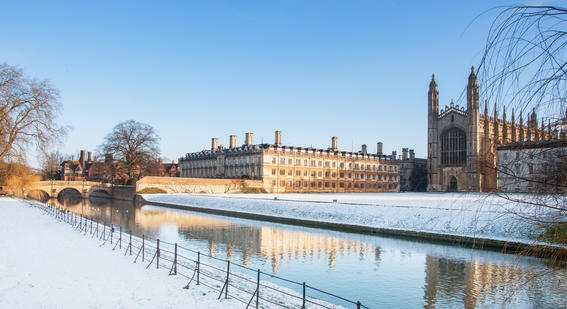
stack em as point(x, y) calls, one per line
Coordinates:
point(198, 185)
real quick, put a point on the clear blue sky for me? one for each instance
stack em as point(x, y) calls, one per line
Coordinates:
point(199, 69)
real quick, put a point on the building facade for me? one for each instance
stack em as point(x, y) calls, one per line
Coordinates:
point(462, 142)
point(413, 172)
point(533, 167)
point(296, 169)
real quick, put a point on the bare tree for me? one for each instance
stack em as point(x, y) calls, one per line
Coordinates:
point(135, 147)
point(524, 67)
point(51, 165)
point(28, 109)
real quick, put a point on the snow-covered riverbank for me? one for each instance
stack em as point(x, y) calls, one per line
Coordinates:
point(470, 215)
point(45, 264)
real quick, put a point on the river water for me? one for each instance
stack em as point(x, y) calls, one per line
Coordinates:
point(381, 272)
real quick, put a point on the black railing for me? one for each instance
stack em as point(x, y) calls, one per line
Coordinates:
point(245, 285)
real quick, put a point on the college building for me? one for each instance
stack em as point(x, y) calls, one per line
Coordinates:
point(296, 169)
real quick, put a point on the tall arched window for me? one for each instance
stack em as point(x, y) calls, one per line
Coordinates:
point(453, 147)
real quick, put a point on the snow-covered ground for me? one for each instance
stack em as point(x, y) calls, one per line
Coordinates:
point(44, 263)
point(472, 214)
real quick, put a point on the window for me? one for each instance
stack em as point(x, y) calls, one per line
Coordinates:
point(327, 174)
point(334, 175)
point(273, 182)
point(319, 184)
point(298, 183)
point(342, 175)
point(282, 183)
point(453, 147)
point(326, 184)
point(304, 173)
point(282, 172)
point(312, 174)
point(305, 183)
point(342, 184)
point(327, 164)
point(273, 171)
point(289, 173)
point(320, 163)
point(334, 165)
point(305, 162)
point(313, 184)
point(320, 174)
point(297, 173)
point(333, 185)
point(342, 165)
point(282, 160)
point(289, 161)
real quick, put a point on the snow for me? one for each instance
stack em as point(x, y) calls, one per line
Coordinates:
point(46, 264)
point(472, 214)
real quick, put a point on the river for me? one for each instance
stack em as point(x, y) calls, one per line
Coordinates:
point(381, 272)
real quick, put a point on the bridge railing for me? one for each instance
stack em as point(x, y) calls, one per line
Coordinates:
point(231, 280)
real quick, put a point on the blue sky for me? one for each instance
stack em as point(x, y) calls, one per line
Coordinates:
point(200, 69)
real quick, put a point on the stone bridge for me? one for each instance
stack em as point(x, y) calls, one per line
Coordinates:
point(53, 187)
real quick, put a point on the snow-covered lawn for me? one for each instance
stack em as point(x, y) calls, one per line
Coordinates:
point(44, 263)
point(473, 214)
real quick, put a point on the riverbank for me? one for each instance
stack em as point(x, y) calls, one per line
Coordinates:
point(46, 264)
point(476, 220)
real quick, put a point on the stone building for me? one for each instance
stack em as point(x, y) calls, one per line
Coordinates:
point(413, 172)
point(296, 169)
point(462, 142)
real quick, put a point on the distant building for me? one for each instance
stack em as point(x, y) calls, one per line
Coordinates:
point(88, 169)
point(462, 143)
point(413, 172)
point(296, 169)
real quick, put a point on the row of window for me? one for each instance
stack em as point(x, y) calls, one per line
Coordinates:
point(282, 172)
point(333, 164)
point(321, 184)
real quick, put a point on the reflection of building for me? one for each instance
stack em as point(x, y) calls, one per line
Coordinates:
point(462, 142)
point(296, 169)
point(272, 244)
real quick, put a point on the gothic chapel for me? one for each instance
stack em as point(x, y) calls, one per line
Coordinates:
point(461, 143)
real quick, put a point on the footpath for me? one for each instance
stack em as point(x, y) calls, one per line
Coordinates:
point(44, 263)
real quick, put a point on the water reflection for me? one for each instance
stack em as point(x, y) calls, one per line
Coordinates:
point(381, 272)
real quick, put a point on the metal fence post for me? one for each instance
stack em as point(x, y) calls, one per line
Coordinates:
point(175, 261)
point(198, 265)
point(258, 290)
point(358, 305)
point(303, 306)
point(227, 273)
point(130, 245)
point(157, 254)
point(143, 246)
point(120, 239)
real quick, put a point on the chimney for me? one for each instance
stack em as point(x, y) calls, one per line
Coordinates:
point(334, 143)
point(364, 152)
point(278, 140)
point(404, 153)
point(160, 161)
point(90, 157)
point(379, 151)
point(411, 154)
point(108, 158)
point(394, 155)
point(248, 140)
point(233, 141)
point(82, 158)
point(214, 144)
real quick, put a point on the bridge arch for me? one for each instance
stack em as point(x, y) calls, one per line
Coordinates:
point(69, 196)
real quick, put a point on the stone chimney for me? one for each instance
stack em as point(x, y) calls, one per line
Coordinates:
point(160, 161)
point(334, 143)
point(248, 140)
point(90, 157)
point(411, 154)
point(404, 153)
point(278, 140)
point(108, 158)
point(364, 151)
point(214, 144)
point(394, 155)
point(233, 141)
point(82, 158)
point(379, 149)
